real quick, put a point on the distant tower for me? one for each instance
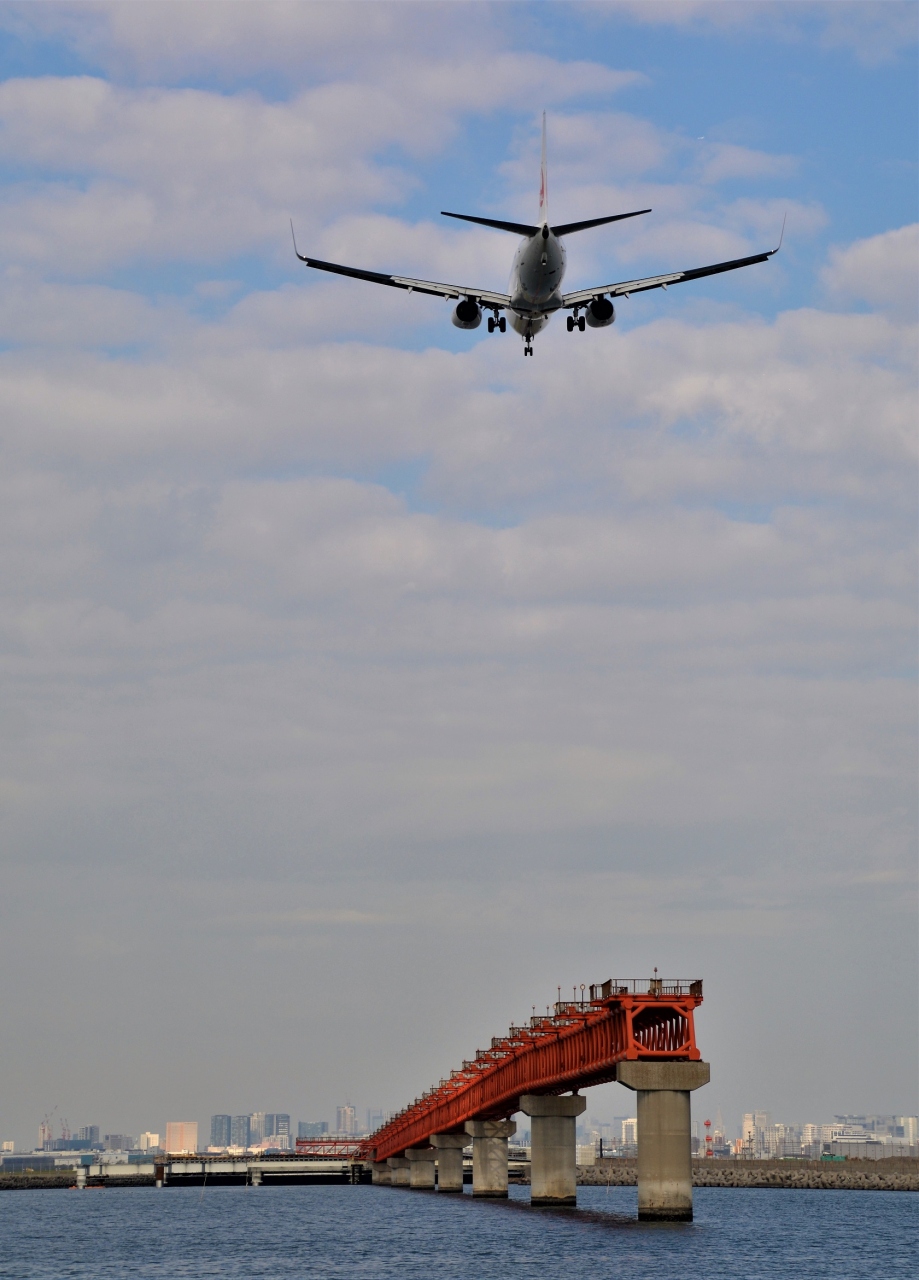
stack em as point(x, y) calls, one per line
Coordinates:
point(708, 1138)
point(346, 1119)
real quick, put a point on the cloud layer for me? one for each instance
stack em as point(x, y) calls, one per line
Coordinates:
point(328, 642)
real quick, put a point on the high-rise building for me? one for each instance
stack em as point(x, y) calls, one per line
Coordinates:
point(312, 1128)
point(277, 1130)
point(119, 1142)
point(757, 1136)
point(271, 1124)
point(221, 1131)
point(630, 1131)
point(181, 1136)
point(345, 1119)
point(240, 1135)
point(148, 1142)
point(89, 1134)
point(257, 1127)
point(374, 1119)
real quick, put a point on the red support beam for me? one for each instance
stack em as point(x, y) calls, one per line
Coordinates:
point(329, 1148)
point(576, 1046)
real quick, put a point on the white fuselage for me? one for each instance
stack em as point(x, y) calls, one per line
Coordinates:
point(535, 283)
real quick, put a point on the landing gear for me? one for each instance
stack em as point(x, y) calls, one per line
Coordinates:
point(571, 324)
point(528, 349)
point(498, 323)
point(580, 321)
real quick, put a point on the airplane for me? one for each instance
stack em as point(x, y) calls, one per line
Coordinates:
point(534, 293)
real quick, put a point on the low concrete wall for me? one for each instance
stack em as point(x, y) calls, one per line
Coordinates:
point(814, 1175)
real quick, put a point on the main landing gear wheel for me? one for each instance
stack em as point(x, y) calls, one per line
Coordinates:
point(582, 323)
point(502, 324)
point(495, 323)
point(491, 324)
point(571, 324)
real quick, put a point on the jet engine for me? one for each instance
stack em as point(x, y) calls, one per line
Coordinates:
point(600, 313)
point(467, 315)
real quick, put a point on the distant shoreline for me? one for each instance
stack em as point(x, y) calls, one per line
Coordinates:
point(895, 1174)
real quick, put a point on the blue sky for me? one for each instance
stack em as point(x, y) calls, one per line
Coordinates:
point(334, 637)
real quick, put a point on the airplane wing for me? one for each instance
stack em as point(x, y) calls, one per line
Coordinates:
point(625, 287)
point(485, 297)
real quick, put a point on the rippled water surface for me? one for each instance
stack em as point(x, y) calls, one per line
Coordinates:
point(379, 1232)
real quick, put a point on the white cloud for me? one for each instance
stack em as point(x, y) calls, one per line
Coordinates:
point(188, 174)
point(874, 33)
point(722, 161)
point(157, 41)
point(882, 271)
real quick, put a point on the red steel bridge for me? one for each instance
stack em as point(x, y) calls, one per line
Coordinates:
point(578, 1044)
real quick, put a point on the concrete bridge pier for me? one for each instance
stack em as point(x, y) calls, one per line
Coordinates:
point(421, 1168)
point(398, 1171)
point(553, 1147)
point(664, 1135)
point(380, 1174)
point(449, 1147)
point(489, 1155)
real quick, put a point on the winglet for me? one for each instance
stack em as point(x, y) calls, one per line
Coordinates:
point(782, 236)
point(294, 238)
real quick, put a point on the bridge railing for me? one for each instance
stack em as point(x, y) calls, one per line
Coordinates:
point(645, 986)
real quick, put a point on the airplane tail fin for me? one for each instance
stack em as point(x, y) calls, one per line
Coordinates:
point(543, 180)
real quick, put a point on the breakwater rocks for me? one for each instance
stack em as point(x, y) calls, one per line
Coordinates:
point(810, 1175)
point(37, 1180)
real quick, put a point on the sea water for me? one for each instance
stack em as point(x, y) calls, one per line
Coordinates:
point(380, 1232)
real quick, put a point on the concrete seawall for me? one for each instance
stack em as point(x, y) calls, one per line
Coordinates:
point(811, 1175)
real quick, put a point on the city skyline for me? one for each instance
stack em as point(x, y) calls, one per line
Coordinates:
point(759, 1135)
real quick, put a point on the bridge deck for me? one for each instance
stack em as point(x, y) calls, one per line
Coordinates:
point(577, 1045)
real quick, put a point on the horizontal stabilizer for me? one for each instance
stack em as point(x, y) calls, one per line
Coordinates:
point(518, 228)
point(569, 227)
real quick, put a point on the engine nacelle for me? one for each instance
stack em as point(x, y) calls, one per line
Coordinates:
point(600, 313)
point(467, 315)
